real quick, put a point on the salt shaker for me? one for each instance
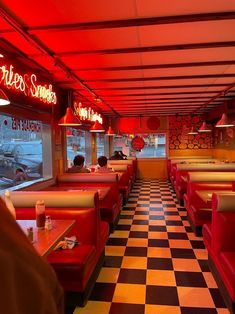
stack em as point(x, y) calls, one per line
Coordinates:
point(48, 223)
point(30, 234)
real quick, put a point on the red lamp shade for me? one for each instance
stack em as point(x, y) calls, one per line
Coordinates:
point(97, 127)
point(204, 128)
point(223, 122)
point(110, 132)
point(193, 131)
point(69, 119)
point(3, 99)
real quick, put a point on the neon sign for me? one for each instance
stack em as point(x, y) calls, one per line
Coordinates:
point(26, 84)
point(86, 113)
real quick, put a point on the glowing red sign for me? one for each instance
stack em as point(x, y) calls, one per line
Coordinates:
point(86, 113)
point(137, 143)
point(27, 84)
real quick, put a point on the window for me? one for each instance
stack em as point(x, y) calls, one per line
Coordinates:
point(78, 143)
point(100, 144)
point(25, 148)
point(155, 145)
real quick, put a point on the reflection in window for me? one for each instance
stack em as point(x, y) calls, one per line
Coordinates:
point(78, 143)
point(24, 145)
point(155, 145)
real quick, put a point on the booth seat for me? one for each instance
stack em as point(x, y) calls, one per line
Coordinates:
point(180, 183)
point(132, 168)
point(110, 206)
point(199, 212)
point(77, 269)
point(124, 182)
point(171, 162)
point(219, 240)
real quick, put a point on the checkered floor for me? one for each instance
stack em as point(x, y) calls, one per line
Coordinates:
point(154, 263)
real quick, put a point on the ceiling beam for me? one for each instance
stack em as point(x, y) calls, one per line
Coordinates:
point(160, 66)
point(161, 20)
point(156, 78)
point(208, 45)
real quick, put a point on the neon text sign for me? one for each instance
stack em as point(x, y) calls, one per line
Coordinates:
point(86, 113)
point(26, 84)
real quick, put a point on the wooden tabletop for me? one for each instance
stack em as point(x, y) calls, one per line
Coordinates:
point(44, 240)
point(206, 195)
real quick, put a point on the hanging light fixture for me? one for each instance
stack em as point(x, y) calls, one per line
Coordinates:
point(223, 122)
point(110, 131)
point(69, 119)
point(3, 99)
point(204, 128)
point(193, 131)
point(97, 127)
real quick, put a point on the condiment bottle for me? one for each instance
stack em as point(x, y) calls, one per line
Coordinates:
point(40, 214)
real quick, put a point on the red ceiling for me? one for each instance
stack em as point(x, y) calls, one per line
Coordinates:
point(140, 57)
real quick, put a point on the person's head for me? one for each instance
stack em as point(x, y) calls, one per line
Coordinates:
point(102, 161)
point(19, 170)
point(78, 160)
point(116, 153)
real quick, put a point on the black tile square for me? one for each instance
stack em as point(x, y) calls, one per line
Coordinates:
point(156, 217)
point(136, 251)
point(113, 261)
point(140, 222)
point(184, 218)
point(169, 205)
point(126, 308)
point(132, 202)
point(162, 295)
point(158, 243)
point(142, 212)
point(102, 292)
point(156, 208)
point(117, 241)
point(182, 253)
point(138, 234)
point(169, 213)
point(142, 205)
point(204, 265)
point(158, 228)
point(143, 199)
point(134, 276)
point(159, 263)
point(174, 223)
point(123, 227)
point(188, 229)
point(197, 244)
point(128, 208)
point(217, 298)
point(177, 235)
point(155, 202)
point(190, 279)
point(126, 216)
point(197, 310)
point(182, 209)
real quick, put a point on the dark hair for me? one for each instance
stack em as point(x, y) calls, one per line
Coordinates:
point(102, 161)
point(78, 160)
point(19, 170)
point(116, 152)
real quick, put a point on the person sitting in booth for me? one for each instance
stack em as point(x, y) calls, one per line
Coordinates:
point(102, 165)
point(116, 156)
point(78, 165)
point(122, 154)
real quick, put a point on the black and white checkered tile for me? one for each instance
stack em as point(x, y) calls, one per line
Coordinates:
point(154, 263)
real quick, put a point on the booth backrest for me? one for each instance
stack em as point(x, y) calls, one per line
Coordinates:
point(223, 222)
point(196, 160)
point(206, 167)
point(55, 199)
point(120, 168)
point(203, 176)
point(120, 162)
point(131, 158)
point(225, 202)
point(87, 177)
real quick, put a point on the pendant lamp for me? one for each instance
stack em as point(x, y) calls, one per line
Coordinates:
point(110, 132)
point(69, 119)
point(223, 122)
point(193, 131)
point(97, 127)
point(3, 99)
point(204, 128)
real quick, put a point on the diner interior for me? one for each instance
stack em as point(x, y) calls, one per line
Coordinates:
point(148, 86)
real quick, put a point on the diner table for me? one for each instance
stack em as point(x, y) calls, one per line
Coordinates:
point(44, 241)
point(206, 196)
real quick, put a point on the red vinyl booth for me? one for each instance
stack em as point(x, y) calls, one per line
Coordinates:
point(78, 268)
point(219, 239)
